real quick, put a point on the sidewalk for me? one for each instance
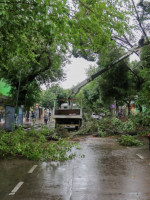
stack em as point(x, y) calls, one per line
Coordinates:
point(27, 124)
point(32, 122)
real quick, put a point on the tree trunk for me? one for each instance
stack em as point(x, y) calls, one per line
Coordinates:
point(129, 108)
point(117, 108)
point(140, 108)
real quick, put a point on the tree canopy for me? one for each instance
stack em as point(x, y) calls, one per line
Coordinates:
point(37, 37)
point(53, 95)
point(33, 43)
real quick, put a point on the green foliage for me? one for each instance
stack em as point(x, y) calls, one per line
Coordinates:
point(127, 126)
point(33, 145)
point(32, 49)
point(144, 92)
point(45, 130)
point(101, 127)
point(144, 133)
point(143, 119)
point(92, 98)
point(53, 94)
point(117, 123)
point(36, 36)
point(128, 140)
point(145, 56)
point(88, 127)
point(107, 126)
point(61, 132)
point(115, 84)
point(95, 23)
point(101, 133)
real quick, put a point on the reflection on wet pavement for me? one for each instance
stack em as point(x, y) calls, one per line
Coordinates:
point(107, 172)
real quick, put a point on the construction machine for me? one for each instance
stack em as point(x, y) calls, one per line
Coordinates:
point(76, 89)
point(70, 117)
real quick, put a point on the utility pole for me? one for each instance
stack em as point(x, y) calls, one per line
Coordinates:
point(16, 110)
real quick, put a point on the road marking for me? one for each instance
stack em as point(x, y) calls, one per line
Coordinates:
point(140, 156)
point(16, 188)
point(32, 169)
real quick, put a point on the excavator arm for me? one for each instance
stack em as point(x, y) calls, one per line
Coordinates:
point(77, 88)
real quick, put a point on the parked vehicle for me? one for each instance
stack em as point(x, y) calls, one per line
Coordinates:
point(96, 116)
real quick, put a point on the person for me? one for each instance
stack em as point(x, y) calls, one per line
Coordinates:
point(27, 116)
point(32, 115)
point(35, 115)
point(45, 118)
point(49, 116)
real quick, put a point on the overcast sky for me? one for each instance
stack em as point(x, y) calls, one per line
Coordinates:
point(76, 71)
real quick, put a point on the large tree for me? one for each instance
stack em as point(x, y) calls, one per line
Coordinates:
point(33, 43)
point(144, 92)
point(53, 95)
point(36, 36)
point(97, 22)
point(119, 84)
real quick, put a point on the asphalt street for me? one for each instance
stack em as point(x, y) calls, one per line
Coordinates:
point(101, 170)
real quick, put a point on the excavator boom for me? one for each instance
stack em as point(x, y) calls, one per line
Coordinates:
point(77, 88)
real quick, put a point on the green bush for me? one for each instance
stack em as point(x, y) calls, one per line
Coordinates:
point(88, 127)
point(116, 122)
point(144, 118)
point(45, 130)
point(61, 132)
point(144, 133)
point(107, 126)
point(101, 133)
point(33, 145)
point(128, 140)
point(127, 126)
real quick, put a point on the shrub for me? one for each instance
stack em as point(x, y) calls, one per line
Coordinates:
point(101, 133)
point(88, 127)
point(46, 130)
point(128, 126)
point(128, 140)
point(33, 145)
point(122, 127)
point(144, 118)
point(107, 125)
point(61, 132)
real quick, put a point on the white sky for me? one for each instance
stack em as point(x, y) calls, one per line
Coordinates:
point(75, 72)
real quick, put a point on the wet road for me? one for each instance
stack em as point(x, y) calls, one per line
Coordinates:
point(107, 172)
